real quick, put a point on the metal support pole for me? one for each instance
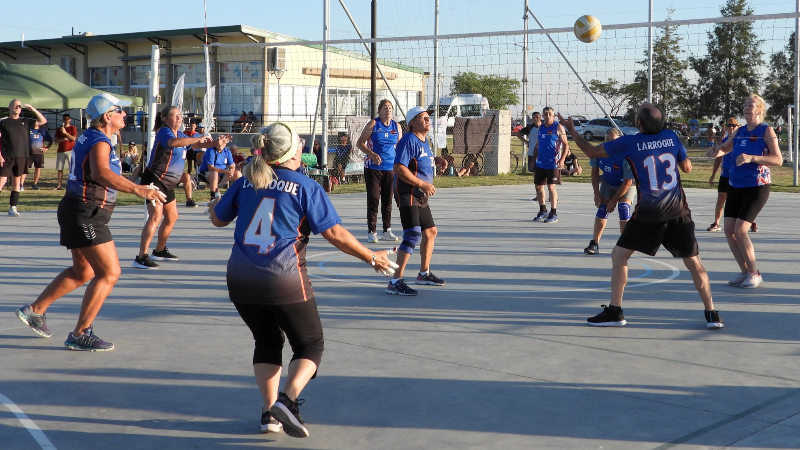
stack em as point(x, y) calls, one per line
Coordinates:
point(789, 131)
point(650, 57)
point(436, 92)
point(326, 36)
point(796, 92)
point(525, 70)
point(373, 106)
point(152, 100)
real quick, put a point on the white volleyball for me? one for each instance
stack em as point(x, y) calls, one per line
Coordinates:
point(588, 28)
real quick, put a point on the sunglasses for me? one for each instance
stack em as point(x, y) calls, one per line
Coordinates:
point(117, 110)
point(731, 125)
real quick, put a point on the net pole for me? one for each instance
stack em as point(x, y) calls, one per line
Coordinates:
point(591, 94)
point(436, 93)
point(326, 34)
point(525, 82)
point(373, 76)
point(650, 57)
point(796, 91)
point(789, 131)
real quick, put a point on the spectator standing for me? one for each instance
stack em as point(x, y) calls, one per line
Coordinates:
point(40, 143)
point(413, 185)
point(65, 138)
point(529, 135)
point(378, 141)
point(15, 135)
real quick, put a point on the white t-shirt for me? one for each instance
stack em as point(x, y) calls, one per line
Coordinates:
point(533, 139)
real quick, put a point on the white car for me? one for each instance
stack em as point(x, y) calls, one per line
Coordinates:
point(597, 128)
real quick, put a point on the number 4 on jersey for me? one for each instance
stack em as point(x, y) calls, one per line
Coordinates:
point(259, 232)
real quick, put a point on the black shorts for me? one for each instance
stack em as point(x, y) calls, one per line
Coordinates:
point(14, 167)
point(746, 203)
point(546, 176)
point(36, 161)
point(268, 323)
point(416, 216)
point(723, 184)
point(676, 235)
point(82, 225)
point(148, 177)
point(203, 176)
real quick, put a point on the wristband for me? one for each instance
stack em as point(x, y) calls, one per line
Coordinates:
point(372, 261)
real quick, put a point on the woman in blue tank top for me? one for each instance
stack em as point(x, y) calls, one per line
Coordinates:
point(754, 148)
point(378, 141)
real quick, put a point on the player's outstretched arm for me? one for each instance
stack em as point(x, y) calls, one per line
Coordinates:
point(586, 147)
point(342, 239)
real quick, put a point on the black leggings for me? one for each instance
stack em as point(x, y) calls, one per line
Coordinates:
point(300, 321)
point(379, 188)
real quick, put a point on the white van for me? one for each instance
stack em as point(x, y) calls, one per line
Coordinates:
point(464, 105)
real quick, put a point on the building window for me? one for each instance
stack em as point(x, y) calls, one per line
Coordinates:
point(109, 79)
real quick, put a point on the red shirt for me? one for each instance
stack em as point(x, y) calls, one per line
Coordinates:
point(66, 146)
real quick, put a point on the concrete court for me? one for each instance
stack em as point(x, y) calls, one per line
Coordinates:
point(500, 358)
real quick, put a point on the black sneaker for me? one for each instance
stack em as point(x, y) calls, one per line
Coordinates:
point(610, 317)
point(714, 322)
point(269, 424)
point(164, 255)
point(430, 279)
point(400, 288)
point(191, 204)
point(35, 187)
point(144, 262)
point(592, 249)
point(287, 412)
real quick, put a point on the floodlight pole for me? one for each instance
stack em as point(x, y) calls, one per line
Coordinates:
point(278, 74)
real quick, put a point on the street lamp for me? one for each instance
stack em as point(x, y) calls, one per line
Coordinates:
point(278, 74)
point(547, 82)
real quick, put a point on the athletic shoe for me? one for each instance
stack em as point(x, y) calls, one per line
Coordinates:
point(430, 279)
point(191, 204)
point(752, 281)
point(13, 211)
point(269, 424)
point(388, 235)
point(541, 216)
point(592, 249)
point(144, 263)
point(287, 412)
point(738, 280)
point(21, 188)
point(372, 237)
point(714, 322)
point(38, 322)
point(754, 228)
point(610, 317)
point(714, 227)
point(164, 255)
point(551, 218)
point(35, 187)
point(400, 288)
point(87, 342)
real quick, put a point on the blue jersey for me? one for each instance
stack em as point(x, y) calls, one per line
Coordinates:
point(749, 143)
point(549, 147)
point(614, 171)
point(268, 260)
point(416, 155)
point(383, 141)
point(220, 160)
point(81, 184)
point(654, 161)
point(167, 163)
point(38, 137)
point(727, 162)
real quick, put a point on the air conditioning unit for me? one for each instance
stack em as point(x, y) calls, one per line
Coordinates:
point(68, 65)
point(276, 59)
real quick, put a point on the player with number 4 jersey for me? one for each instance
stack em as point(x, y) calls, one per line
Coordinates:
point(661, 216)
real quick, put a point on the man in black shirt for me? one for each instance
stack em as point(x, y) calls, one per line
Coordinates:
point(15, 132)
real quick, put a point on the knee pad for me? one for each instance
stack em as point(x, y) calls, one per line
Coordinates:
point(601, 212)
point(411, 238)
point(624, 211)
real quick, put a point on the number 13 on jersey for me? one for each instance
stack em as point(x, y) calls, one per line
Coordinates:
point(259, 232)
point(669, 172)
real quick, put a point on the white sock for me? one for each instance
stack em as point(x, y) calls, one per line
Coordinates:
point(424, 273)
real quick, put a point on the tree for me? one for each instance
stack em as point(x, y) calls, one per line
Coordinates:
point(501, 92)
point(729, 71)
point(777, 91)
point(615, 96)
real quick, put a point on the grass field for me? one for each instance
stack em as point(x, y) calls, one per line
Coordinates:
point(46, 198)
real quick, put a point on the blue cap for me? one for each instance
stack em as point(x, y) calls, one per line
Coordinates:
point(101, 103)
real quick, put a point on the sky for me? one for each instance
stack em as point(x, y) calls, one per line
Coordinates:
point(303, 18)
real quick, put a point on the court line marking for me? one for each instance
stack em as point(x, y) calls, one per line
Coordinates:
point(26, 422)
point(568, 288)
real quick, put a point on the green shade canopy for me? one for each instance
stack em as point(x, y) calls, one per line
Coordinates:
point(47, 87)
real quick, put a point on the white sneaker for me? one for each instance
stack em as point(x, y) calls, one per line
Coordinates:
point(388, 235)
point(738, 280)
point(753, 280)
point(21, 188)
point(372, 237)
point(13, 211)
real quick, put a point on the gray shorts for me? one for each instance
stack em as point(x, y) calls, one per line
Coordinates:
point(608, 191)
point(63, 159)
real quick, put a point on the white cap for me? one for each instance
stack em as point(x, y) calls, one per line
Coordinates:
point(414, 112)
point(101, 103)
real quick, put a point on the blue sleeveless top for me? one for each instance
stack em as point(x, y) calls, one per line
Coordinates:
point(81, 183)
point(749, 143)
point(383, 142)
point(549, 147)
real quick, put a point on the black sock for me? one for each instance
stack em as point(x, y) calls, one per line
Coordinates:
point(553, 211)
point(542, 208)
point(12, 201)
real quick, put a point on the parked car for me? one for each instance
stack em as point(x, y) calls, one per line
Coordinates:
point(597, 128)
